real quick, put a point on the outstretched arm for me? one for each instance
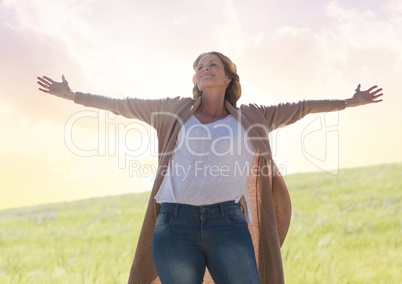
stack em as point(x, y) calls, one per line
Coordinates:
point(146, 110)
point(59, 89)
point(288, 113)
point(369, 96)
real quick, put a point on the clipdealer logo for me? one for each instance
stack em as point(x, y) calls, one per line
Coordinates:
point(113, 139)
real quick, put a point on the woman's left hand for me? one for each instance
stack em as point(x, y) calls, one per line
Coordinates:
point(369, 96)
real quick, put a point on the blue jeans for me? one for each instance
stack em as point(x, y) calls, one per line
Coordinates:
point(187, 239)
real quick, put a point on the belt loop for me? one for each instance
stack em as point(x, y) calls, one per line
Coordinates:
point(222, 209)
point(176, 210)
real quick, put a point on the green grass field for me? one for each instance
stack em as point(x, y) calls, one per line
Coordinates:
point(345, 229)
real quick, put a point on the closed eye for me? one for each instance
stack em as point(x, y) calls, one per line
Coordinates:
point(210, 65)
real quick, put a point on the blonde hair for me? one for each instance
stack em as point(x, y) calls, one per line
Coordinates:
point(233, 91)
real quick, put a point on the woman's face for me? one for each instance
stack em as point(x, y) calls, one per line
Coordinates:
point(210, 73)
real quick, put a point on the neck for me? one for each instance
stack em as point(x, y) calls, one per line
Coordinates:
point(213, 105)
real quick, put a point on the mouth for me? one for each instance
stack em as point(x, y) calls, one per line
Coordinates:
point(206, 75)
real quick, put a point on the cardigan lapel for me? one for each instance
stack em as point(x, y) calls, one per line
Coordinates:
point(263, 149)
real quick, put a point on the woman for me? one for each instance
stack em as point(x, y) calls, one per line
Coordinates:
point(218, 201)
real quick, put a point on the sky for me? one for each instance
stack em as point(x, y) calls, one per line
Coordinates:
point(52, 150)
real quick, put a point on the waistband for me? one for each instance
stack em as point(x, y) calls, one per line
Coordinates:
point(211, 208)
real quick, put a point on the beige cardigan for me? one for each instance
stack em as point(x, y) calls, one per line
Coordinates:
point(269, 197)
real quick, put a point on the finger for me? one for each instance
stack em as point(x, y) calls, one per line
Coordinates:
point(64, 81)
point(44, 81)
point(376, 91)
point(377, 96)
point(45, 91)
point(372, 88)
point(358, 88)
point(43, 85)
point(49, 79)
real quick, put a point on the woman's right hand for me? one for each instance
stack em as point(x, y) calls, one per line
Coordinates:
point(59, 89)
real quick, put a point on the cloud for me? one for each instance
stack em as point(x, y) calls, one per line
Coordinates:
point(146, 49)
point(394, 12)
point(363, 30)
point(334, 10)
point(353, 46)
point(125, 46)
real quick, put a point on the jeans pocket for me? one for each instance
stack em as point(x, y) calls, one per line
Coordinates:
point(163, 219)
point(236, 216)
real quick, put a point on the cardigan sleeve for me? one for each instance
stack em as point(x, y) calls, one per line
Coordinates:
point(287, 113)
point(145, 110)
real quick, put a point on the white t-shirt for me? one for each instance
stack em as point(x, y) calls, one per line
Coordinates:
point(210, 164)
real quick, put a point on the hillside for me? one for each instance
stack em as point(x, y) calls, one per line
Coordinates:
point(345, 229)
